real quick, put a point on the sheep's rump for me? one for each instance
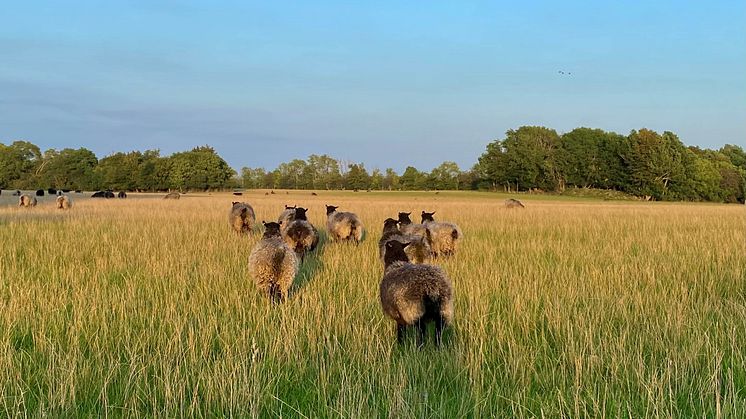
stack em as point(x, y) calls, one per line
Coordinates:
point(513, 203)
point(273, 265)
point(410, 292)
point(413, 229)
point(64, 202)
point(344, 225)
point(285, 218)
point(301, 236)
point(241, 217)
point(444, 237)
point(27, 201)
point(418, 251)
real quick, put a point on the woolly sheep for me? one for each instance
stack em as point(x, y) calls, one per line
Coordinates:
point(418, 250)
point(27, 201)
point(407, 227)
point(272, 264)
point(286, 216)
point(444, 237)
point(64, 202)
point(513, 203)
point(172, 195)
point(343, 225)
point(415, 294)
point(241, 217)
point(301, 235)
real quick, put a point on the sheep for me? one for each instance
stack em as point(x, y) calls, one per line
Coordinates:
point(343, 225)
point(52, 191)
point(172, 195)
point(272, 264)
point(241, 217)
point(64, 202)
point(415, 294)
point(103, 194)
point(286, 216)
point(122, 195)
point(407, 227)
point(40, 192)
point(513, 203)
point(418, 250)
point(301, 235)
point(16, 193)
point(444, 237)
point(27, 201)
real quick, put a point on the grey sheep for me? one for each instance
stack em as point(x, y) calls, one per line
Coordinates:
point(27, 201)
point(273, 264)
point(172, 195)
point(418, 250)
point(64, 202)
point(286, 216)
point(343, 225)
point(407, 227)
point(444, 237)
point(513, 203)
point(415, 295)
point(301, 235)
point(241, 217)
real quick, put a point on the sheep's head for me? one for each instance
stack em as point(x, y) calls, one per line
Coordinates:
point(395, 252)
point(390, 225)
point(271, 229)
point(427, 216)
point(300, 213)
point(404, 218)
point(330, 209)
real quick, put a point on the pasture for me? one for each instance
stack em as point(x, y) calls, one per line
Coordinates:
point(144, 307)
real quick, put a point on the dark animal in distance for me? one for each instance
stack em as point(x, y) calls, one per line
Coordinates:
point(122, 195)
point(52, 191)
point(40, 192)
point(103, 194)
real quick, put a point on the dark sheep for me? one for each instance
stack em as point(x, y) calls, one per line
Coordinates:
point(122, 195)
point(415, 295)
point(52, 191)
point(40, 192)
point(301, 235)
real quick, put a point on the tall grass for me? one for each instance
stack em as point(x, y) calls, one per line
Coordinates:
point(144, 307)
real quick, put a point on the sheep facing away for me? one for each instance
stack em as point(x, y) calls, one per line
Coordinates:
point(301, 235)
point(27, 201)
point(241, 217)
point(343, 225)
point(272, 264)
point(415, 295)
point(64, 202)
point(444, 237)
point(418, 250)
point(513, 203)
point(286, 216)
point(407, 227)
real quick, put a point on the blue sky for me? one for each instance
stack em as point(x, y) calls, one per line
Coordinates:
point(390, 84)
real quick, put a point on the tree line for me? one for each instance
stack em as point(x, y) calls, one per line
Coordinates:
point(643, 163)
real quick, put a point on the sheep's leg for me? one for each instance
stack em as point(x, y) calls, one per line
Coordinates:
point(439, 325)
point(400, 329)
point(421, 329)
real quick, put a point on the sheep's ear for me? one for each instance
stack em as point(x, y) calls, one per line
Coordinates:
point(234, 202)
point(404, 245)
point(264, 223)
point(279, 223)
point(408, 213)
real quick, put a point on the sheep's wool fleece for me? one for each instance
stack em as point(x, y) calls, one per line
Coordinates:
point(404, 287)
point(340, 225)
point(273, 262)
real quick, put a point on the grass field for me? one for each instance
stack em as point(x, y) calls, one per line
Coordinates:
point(574, 308)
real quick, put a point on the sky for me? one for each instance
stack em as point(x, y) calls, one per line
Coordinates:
point(389, 83)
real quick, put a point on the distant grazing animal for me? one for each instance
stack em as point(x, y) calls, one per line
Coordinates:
point(78, 191)
point(418, 250)
point(266, 193)
point(64, 202)
point(273, 264)
point(103, 194)
point(122, 195)
point(301, 235)
point(241, 217)
point(314, 194)
point(343, 225)
point(272, 192)
point(66, 190)
point(407, 227)
point(59, 193)
point(444, 237)
point(513, 203)
point(27, 201)
point(415, 295)
point(52, 191)
point(16, 193)
point(172, 195)
point(40, 192)
point(238, 193)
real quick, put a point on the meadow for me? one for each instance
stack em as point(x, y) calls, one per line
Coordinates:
point(567, 308)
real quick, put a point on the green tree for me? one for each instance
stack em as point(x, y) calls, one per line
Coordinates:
point(391, 179)
point(356, 177)
point(412, 179)
point(18, 162)
point(444, 177)
point(69, 169)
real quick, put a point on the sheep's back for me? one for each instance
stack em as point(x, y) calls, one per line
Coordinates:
point(405, 287)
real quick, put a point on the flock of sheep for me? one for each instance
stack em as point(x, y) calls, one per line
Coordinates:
point(413, 292)
point(62, 202)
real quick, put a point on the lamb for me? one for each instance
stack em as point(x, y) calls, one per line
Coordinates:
point(301, 235)
point(172, 195)
point(343, 225)
point(444, 237)
point(415, 294)
point(272, 264)
point(64, 202)
point(27, 201)
point(418, 250)
point(407, 227)
point(241, 217)
point(513, 203)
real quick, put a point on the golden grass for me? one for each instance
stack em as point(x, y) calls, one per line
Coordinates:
point(144, 307)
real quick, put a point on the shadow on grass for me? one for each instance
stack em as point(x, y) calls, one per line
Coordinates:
point(311, 264)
